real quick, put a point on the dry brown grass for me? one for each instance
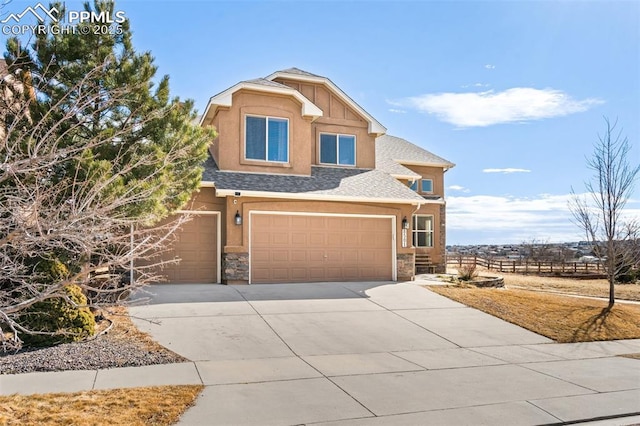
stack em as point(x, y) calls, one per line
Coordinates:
point(159, 406)
point(561, 318)
point(123, 328)
point(634, 356)
point(596, 288)
point(592, 287)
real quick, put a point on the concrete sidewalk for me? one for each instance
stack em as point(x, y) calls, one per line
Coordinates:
point(360, 354)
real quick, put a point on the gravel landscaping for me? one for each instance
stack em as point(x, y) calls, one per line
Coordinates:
point(122, 346)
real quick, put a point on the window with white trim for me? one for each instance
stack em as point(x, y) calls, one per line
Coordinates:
point(422, 230)
point(266, 139)
point(337, 149)
point(426, 185)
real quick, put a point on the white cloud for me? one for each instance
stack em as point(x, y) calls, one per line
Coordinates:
point(459, 188)
point(475, 85)
point(490, 67)
point(397, 111)
point(505, 171)
point(481, 109)
point(483, 219)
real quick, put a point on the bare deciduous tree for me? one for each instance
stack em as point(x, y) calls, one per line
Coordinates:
point(600, 213)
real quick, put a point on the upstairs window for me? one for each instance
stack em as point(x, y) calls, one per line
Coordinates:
point(426, 185)
point(267, 139)
point(337, 149)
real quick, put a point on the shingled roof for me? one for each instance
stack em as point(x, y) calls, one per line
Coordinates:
point(298, 71)
point(324, 182)
point(269, 83)
point(392, 151)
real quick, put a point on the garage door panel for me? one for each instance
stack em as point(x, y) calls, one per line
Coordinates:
point(278, 239)
point(315, 255)
point(299, 256)
point(316, 274)
point(314, 222)
point(298, 274)
point(196, 245)
point(280, 256)
point(316, 239)
point(261, 221)
point(334, 239)
point(320, 248)
point(299, 239)
point(260, 256)
point(278, 221)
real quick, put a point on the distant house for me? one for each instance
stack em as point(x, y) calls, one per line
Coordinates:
point(302, 184)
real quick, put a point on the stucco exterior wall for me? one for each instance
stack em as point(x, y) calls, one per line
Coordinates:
point(205, 199)
point(434, 173)
point(228, 149)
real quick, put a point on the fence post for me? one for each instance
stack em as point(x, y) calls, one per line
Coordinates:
point(514, 266)
point(539, 266)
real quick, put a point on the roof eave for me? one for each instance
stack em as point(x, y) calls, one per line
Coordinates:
point(320, 197)
point(224, 99)
point(445, 165)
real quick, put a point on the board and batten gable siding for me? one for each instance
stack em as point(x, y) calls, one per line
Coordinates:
point(337, 117)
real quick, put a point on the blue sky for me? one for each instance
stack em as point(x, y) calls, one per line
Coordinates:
point(514, 93)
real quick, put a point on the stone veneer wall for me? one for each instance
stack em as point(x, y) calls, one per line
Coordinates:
point(235, 267)
point(442, 267)
point(406, 266)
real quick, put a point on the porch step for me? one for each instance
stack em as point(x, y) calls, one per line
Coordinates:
point(423, 264)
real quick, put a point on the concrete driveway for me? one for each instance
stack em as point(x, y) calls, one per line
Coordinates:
point(380, 354)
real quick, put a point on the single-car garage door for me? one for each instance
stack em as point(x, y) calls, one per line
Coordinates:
point(302, 248)
point(196, 245)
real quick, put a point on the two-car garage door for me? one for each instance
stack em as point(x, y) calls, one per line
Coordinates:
point(303, 248)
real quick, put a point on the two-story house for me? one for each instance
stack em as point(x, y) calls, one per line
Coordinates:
point(302, 184)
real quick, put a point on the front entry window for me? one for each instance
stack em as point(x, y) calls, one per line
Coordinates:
point(422, 231)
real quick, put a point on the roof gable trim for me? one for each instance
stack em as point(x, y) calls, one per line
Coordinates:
point(224, 99)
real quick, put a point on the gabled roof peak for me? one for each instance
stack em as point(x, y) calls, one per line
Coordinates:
point(294, 70)
point(297, 74)
point(265, 82)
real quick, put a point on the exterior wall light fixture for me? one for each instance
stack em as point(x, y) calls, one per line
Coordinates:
point(405, 223)
point(238, 218)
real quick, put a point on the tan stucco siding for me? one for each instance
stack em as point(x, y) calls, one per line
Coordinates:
point(434, 173)
point(365, 155)
point(228, 148)
point(205, 199)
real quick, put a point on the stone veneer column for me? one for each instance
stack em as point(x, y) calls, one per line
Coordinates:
point(406, 266)
point(235, 268)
